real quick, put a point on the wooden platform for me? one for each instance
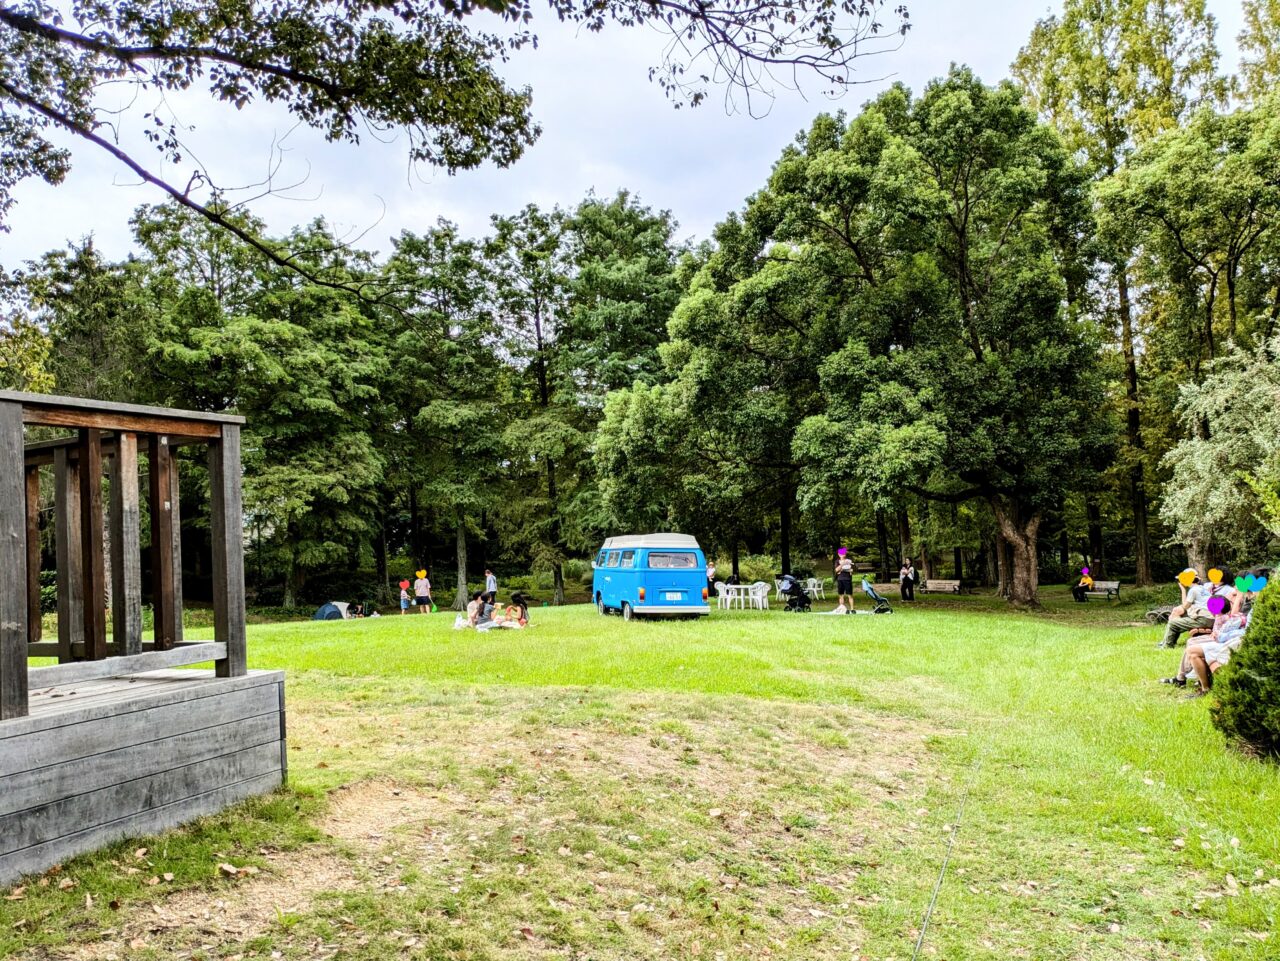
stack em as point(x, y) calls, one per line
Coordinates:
point(114, 757)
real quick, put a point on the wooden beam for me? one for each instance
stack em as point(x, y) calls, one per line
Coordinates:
point(195, 653)
point(33, 555)
point(175, 530)
point(13, 566)
point(168, 414)
point(161, 506)
point(126, 548)
point(226, 522)
point(94, 564)
point(70, 556)
point(87, 419)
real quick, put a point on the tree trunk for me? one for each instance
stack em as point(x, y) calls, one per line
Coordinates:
point(785, 531)
point(904, 535)
point(460, 541)
point(1133, 432)
point(380, 553)
point(882, 544)
point(1002, 566)
point(415, 525)
point(1064, 545)
point(735, 558)
point(1199, 555)
point(958, 557)
point(1020, 531)
point(558, 574)
point(1097, 551)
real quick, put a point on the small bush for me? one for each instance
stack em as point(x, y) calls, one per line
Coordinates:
point(1248, 688)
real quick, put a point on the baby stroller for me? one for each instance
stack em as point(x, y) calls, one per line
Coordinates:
point(797, 599)
point(881, 602)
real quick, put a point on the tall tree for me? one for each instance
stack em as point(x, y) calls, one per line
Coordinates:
point(1110, 75)
point(968, 377)
point(444, 398)
point(549, 433)
point(1259, 49)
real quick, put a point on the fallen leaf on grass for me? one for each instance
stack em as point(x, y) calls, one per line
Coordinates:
point(139, 854)
point(168, 876)
point(88, 901)
point(66, 884)
point(17, 894)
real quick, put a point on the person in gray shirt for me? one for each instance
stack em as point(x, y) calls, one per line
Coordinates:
point(490, 585)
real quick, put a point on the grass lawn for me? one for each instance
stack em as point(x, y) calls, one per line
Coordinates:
point(746, 786)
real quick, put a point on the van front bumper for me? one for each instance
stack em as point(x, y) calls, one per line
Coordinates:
point(673, 609)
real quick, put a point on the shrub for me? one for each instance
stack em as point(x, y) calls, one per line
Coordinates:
point(1248, 688)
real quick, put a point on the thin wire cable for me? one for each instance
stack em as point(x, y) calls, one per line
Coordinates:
point(946, 860)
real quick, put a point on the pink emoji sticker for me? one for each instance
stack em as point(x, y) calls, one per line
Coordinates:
point(1216, 605)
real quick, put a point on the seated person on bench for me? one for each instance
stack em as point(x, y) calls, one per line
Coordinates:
point(1081, 590)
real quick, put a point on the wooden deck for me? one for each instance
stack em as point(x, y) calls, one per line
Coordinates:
point(103, 759)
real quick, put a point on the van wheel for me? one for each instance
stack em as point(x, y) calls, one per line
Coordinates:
point(600, 605)
point(627, 613)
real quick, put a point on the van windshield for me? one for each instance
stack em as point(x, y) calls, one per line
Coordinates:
point(670, 560)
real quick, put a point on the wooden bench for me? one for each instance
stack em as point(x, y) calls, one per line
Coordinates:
point(936, 586)
point(1104, 589)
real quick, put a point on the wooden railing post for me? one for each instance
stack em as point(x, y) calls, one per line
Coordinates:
point(126, 547)
point(95, 591)
point(70, 556)
point(226, 522)
point(33, 555)
point(175, 538)
point(13, 564)
point(161, 505)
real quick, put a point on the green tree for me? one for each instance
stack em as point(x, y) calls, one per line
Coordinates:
point(549, 432)
point(444, 398)
point(1110, 75)
point(1226, 472)
point(623, 290)
point(97, 321)
point(299, 360)
point(967, 377)
point(1247, 703)
point(24, 354)
point(1260, 49)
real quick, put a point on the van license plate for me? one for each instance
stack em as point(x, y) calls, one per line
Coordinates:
point(674, 596)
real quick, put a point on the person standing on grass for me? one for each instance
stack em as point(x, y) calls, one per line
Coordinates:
point(490, 585)
point(404, 599)
point(711, 578)
point(844, 580)
point(907, 581)
point(422, 592)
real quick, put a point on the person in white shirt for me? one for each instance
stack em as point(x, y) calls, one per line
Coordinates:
point(422, 593)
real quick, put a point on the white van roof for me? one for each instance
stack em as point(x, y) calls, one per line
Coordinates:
point(685, 541)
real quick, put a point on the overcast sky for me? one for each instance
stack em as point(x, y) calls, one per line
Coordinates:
point(605, 127)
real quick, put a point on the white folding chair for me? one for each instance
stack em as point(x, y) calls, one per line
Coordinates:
point(760, 595)
point(777, 588)
point(722, 596)
point(813, 587)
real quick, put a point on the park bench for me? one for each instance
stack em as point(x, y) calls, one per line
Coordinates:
point(936, 586)
point(1104, 589)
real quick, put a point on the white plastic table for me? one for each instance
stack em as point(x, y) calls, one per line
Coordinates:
point(737, 592)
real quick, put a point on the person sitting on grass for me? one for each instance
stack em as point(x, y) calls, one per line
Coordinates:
point(518, 610)
point(1080, 591)
point(476, 613)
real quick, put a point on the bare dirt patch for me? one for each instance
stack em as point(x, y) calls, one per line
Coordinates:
point(195, 919)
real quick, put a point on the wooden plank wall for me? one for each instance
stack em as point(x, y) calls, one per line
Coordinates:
point(133, 756)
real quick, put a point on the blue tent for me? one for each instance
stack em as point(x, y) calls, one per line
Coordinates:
point(327, 612)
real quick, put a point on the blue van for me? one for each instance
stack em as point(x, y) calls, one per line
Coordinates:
point(651, 575)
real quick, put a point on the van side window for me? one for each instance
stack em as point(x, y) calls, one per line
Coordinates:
point(628, 558)
point(613, 559)
point(600, 560)
point(682, 560)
